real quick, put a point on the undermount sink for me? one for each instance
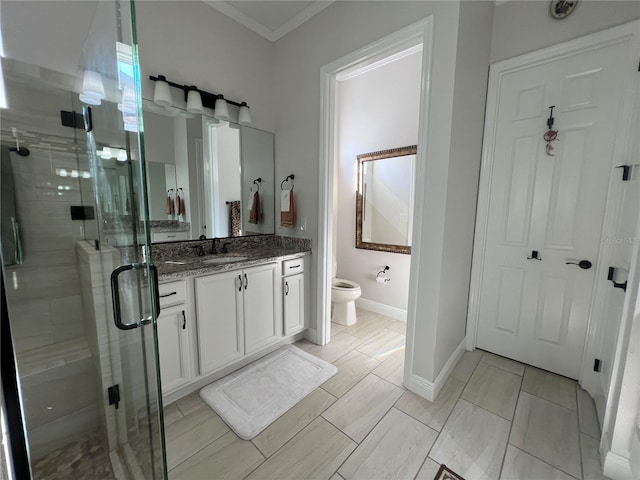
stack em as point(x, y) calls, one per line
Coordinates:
point(226, 259)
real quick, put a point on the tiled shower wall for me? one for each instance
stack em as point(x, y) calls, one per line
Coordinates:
point(44, 292)
point(56, 368)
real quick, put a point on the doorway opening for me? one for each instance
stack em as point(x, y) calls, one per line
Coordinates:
point(412, 40)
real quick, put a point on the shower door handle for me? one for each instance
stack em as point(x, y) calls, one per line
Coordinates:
point(115, 295)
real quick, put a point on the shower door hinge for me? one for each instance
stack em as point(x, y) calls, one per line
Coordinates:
point(114, 395)
point(596, 364)
point(71, 119)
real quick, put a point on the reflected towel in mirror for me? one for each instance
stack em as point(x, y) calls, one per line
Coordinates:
point(255, 212)
point(234, 218)
point(287, 217)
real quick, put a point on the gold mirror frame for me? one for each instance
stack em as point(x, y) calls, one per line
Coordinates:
point(368, 157)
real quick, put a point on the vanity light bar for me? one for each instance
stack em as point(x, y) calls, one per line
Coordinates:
point(208, 98)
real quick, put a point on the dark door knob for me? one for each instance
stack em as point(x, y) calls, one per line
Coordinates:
point(583, 264)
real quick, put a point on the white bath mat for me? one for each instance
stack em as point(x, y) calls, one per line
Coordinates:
point(251, 398)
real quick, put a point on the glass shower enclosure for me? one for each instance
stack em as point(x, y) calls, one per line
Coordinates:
point(78, 285)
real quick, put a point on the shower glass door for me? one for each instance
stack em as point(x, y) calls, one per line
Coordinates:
point(81, 292)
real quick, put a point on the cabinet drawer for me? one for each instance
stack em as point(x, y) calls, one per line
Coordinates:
point(291, 267)
point(172, 293)
point(169, 236)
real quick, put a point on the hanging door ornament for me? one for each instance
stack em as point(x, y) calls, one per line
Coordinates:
point(550, 135)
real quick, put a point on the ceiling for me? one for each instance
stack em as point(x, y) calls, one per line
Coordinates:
point(270, 19)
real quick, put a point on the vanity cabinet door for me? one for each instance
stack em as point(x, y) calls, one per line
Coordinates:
point(220, 312)
point(293, 303)
point(173, 346)
point(261, 293)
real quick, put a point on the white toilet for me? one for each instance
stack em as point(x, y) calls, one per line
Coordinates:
point(344, 294)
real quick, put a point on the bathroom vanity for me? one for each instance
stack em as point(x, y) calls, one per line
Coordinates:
point(220, 312)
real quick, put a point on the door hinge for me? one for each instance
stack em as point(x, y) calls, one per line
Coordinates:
point(114, 395)
point(596, 364)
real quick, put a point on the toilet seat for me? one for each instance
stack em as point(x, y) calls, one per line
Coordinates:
point(342, 284)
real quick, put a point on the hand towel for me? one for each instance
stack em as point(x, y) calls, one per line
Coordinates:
point(178, 211)
point(170, 205)
point(234, 218)
point(284, 200)
point(288, 218)
point(255, 215)
point(182, 209)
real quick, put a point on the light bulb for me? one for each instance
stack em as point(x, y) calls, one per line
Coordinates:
point(106, 153)
point(92, 86)
point(194, 101)
point(244, 116)
point(161, 92)
point(221, 110)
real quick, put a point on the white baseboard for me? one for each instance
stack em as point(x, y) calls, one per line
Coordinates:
point(382, 309)
point(617, 467)
point(430, 390)
point(448, 367)
point(420, 386)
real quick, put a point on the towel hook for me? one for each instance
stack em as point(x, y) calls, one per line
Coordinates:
point(257, 182)
point(383, 271)
point(289, 177)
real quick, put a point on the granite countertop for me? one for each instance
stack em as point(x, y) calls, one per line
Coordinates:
point(192, 265)
point(181, 228)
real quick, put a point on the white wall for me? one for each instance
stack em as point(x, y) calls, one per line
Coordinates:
point(525, 26)
point(192, 43)
point(343, 28)
point(377, 110)
point(474, 37)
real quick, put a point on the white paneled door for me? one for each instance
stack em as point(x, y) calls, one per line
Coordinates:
point(547, 210)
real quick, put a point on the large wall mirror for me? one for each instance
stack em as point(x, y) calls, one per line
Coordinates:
point(384, 200)
point(216, 165)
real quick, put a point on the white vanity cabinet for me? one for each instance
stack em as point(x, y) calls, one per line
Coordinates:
point(293, 295)
point(261, 310)
point(173, 337)
point(237, 314)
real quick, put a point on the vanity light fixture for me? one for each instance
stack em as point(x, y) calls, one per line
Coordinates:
point(194, 100)
point(120, 154)
point(244, 116)
point(198, 99)
point(92, 88)
point(161, 93)
point(221, 111)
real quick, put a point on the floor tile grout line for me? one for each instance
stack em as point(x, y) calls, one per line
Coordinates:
point(365, 437)
point(543, 461)
point(305, 426)
point(504, 455)
point(444, 424)
point(202, 448)
point(395, 405)
point(579, 433)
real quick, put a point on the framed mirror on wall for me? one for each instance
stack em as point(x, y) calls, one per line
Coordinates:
point(384, 200)
point(213, 164)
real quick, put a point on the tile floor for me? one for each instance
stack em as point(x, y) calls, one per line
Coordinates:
point(494, 419)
